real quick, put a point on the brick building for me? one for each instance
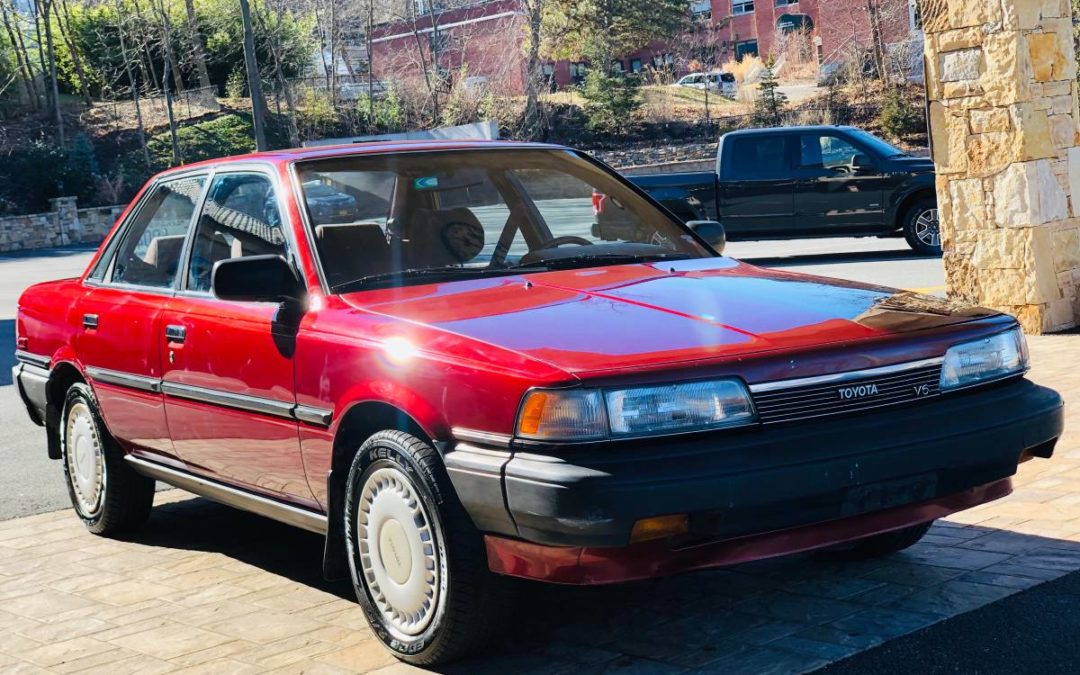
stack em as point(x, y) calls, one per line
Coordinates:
point(485, 36)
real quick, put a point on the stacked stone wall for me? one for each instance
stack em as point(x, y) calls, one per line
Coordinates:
point(65, 225)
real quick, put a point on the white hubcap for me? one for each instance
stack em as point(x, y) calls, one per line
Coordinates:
point(398, 554)
point(85, 464)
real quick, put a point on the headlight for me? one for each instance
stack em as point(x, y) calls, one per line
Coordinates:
point(984, 360)
point(584, 414)
point(574, 414)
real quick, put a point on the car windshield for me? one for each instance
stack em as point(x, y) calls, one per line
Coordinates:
point(431, 216)
point(883, 148)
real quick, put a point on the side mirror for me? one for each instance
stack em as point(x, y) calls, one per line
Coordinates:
point(711, 231)
point(257, 278)
point(862, 162)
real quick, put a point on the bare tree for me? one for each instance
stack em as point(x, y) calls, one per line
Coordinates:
point(22, 57)
point(534, 19)
point(198, 47)
point(272, 28)
point(134, 84)
point(258, 101)
point(43, 8)
point(63, 22)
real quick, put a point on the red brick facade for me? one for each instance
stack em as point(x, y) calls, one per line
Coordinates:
point(486, 38)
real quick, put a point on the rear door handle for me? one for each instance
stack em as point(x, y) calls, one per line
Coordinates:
point(175, 333)
point(89, 320)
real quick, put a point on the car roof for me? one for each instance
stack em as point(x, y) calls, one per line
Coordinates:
point(291, 155)
point(773, 130)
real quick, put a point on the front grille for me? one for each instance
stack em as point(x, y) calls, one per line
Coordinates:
point(845, 396)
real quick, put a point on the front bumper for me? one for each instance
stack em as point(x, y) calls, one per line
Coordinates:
point(741, 483)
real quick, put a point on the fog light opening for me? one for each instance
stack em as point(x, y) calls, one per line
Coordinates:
point(659, 527)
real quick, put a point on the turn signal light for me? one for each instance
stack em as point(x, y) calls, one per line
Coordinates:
point(532, 412)
point(648, 529)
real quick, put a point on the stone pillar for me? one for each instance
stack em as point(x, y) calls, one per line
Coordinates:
point(67, 219)
point(1001, 79)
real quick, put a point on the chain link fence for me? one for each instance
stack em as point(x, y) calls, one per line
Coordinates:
point(121, 114)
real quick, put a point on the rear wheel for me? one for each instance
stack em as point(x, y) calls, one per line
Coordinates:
point(418, 565)
point(890, 542)
point(108, 496)
point(922, 227)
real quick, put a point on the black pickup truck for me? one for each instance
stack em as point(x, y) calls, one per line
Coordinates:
point(797, 182)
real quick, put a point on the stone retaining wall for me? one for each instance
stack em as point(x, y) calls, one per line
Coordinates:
point(65, 225)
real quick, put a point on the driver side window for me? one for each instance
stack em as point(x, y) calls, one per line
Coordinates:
point(240, 218)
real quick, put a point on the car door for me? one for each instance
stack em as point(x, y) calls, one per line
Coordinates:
point(840, 187)
point(757, 186)
point(228, 366)
point(121, 314)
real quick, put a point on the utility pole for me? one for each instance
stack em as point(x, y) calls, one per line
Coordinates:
point(258, 103)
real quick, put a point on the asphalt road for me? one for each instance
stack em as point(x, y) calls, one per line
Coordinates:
point(1036, 631)
point(31, 483)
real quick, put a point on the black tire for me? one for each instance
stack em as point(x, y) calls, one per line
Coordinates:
point(921, 236)
point(470, 606)
point(890, 542)
point(122, 498)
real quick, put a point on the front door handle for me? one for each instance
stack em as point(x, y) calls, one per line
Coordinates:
point(89, 320)
point(175, 333)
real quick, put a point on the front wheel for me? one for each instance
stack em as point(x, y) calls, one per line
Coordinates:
point(418, 564)
point(107, 494)
point(922, 227)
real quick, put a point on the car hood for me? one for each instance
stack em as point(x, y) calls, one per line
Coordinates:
point(913, 164)
point(655, 315)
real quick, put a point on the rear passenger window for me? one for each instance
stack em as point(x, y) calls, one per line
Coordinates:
point(240, 218)
point(149, 254)
point(759, 158)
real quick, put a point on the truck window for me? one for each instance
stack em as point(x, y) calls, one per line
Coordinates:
point(826, 152)
point(758, 158)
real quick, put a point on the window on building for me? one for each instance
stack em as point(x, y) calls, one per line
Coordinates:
point(439, 41)
point(577, 71)
point(742, 7)
point(701, 10)
point(747, 48)
point(786, 3)
point(428, 6)
point(635, 65)
point(617, 67)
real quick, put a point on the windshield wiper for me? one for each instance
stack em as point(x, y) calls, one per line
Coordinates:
point(599, 259)
point(426, 273)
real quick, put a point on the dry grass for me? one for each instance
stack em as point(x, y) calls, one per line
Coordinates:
point(666, 103)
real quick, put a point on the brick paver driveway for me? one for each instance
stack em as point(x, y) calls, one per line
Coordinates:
point(207, 589)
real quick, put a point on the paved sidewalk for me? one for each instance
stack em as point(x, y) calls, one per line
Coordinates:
point(207, 589)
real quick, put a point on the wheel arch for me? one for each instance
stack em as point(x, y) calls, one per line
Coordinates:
point(909, 200)
point(62, 376)
point(359, 422)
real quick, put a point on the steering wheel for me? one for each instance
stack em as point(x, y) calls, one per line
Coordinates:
point(560, 241)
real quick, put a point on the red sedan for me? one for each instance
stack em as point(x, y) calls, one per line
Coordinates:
point(463, 362)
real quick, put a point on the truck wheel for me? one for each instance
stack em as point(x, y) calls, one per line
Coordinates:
point(890, 542)
point(107, 494)
point(922, 227)
point(417, 562)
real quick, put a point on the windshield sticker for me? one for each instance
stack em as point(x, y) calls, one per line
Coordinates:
point(426, 183)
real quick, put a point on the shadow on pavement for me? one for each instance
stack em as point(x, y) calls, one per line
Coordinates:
point(790, 614)
point(7, 350)
point(60, 252)
point(841, 257)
